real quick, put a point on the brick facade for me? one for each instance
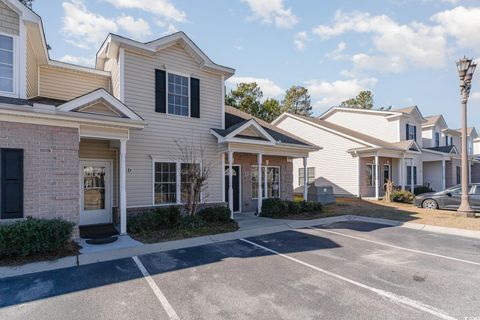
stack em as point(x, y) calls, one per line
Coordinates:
point(51, 169)
point(9, 20)
point(246, 161)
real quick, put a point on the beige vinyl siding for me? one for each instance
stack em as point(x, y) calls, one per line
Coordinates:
point(114, 68)
point(334, 166)
point(157, 140)
point(100, 108)
point(375, 125)
point(32, 71)
point(411, 120)
point(100, 150)
point(64, 84)
point(432, 174)
point(9, 20)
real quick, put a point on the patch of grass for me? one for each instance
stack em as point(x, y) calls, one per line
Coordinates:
point(152, 236)
point(168, 224)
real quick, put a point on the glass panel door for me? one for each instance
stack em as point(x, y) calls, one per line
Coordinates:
point(95, 192)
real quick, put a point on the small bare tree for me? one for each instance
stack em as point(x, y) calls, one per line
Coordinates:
point(388, 191)
point(195, 170)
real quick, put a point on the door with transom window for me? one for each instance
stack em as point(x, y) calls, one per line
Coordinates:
point(95, 192)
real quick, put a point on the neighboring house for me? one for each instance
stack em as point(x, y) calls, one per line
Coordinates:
point(89, 145)
point(361, 149)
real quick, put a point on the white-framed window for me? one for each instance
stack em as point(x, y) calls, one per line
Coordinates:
point(172, 182)
point(370, 174)
point(178, 94)
point(310, 175)
point(437, 139)
point(165, 185)
point(271, 179)
point(7, 64)
point(409, 175)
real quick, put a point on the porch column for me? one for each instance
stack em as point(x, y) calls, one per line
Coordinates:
point(444, 184)
point(469, 171)
point(259, 198)
point(412, 187)
point(230, 182)
point(123, 189)
point(402, 173)
point(376, 178)
point(305, 179)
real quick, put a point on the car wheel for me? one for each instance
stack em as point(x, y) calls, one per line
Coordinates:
point(430, 204)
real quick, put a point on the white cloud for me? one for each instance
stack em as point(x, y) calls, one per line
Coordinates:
point(338, 54)
point(268, 87)
point(398, 45)
point(89, 62)
point(272, 11)
point(84, 28)
point(327, 94)
point(463, 24)
point(385, 64)
point(136, 28)
point(300, 39)
point(161, 8)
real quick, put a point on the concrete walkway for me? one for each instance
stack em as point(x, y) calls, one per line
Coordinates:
point(250, 226)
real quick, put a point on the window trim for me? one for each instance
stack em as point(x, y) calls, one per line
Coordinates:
point(16, 66)
point(300, 180)
point(373, 174)
point(188, 76)
point(264, 185)
point(415, 175)
point(413, 128)
point(178, 189)
point(437, 139)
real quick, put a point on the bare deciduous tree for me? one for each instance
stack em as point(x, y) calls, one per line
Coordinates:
point(194, 170)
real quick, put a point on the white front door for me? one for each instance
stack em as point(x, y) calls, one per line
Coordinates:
point(95, 192)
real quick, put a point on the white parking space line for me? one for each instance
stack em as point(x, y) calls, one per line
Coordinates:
point(161, 297)
point(396, 247)
point(385, 294)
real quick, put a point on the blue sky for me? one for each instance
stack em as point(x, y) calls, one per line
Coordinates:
point(404, 51)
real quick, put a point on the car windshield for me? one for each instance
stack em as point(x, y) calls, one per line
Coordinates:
point(456, 189)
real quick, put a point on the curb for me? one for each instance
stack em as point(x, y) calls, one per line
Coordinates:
point(84, 259)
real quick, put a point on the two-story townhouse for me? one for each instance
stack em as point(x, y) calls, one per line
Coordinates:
point(441, 153)
point(362, 149)
point(92, 145)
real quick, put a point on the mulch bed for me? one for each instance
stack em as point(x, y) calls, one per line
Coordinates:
point(177, 234)
point(71, 249)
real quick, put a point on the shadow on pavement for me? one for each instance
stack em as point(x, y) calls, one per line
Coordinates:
point(22, 289)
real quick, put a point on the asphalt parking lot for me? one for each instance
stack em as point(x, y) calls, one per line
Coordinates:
point(346, 270)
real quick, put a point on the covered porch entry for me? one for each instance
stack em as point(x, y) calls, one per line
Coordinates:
point(102, 158)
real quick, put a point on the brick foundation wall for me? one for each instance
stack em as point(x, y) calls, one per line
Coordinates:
point(51, 169)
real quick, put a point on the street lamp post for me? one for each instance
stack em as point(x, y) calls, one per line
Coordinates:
point(466, 68)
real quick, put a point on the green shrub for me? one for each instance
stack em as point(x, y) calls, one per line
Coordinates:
point(311, 206)
point(403, 196)
point(423, 189)
point(34, 236)
point(274, 207)
point(159, 219)
point(215, 214)
point(192, 222)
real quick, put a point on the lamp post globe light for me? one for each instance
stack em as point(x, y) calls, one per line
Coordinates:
point(466, 68)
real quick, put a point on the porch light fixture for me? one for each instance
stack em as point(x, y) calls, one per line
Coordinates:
point(466, 69)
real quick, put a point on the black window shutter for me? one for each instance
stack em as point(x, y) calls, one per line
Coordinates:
point(160, 91)
point(415, 133)
point(415, 175)
point(194, 98)
point(11, 187)
point(406, 132)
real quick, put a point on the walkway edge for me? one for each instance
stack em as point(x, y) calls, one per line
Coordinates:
point(84, 259)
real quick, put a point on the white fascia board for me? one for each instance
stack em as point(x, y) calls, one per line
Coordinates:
point(250, 123)
point(61, 64)
point(378, 112)
point(279, 118)
point(95, 95)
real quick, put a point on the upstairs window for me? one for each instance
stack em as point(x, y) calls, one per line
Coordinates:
point(6, 64)
point(178, 95)
point(437, 139)
point(411, 132)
